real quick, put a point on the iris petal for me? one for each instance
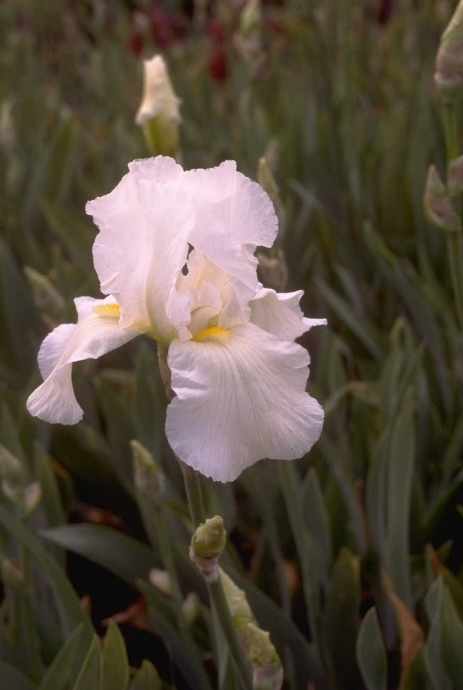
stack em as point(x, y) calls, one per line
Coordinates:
point(240, 398)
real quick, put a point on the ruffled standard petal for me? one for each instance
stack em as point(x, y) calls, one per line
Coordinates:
point(240, 397)
point(96, 333)
point(279, 313)
point(143, 243)
point(235, 215)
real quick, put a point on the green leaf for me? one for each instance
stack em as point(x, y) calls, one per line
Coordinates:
point(224, 663)
point(19, 321)
point(371, 653)
point(400, 476)
point(122, 555)
point(363, 329)
point(119, 430)
point(341, 621)
point(51, 498)
point(89, 677)
point(12, 679)
point(315, 516)
point(416, 676)
point(75, 234)
point(70, 611)
point(147, 678)
point(52, 173)
point(185, 658)
point(403, 280)
point(9, 434)
point(115, 665)
point(452, 640)
point(68, 662)
point(150, 402)
point(433, 604)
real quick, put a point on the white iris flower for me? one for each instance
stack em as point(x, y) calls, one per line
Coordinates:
point(175, 255)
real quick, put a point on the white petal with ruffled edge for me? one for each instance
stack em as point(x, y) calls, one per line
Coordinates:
point(96, 333)
point(279, 313)
point(144, 226)
point(235, 215)
point(240, 397)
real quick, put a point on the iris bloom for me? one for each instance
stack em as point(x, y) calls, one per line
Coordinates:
point(175, 257)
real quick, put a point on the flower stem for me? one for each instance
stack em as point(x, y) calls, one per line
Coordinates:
point(243, 667)
point(216, 593)
point(454, 238)
point(194, 494)
point(165, 547)
point(217, 597)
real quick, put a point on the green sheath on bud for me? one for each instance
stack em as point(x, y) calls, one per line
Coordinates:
point(261, 651)
point(437, 203)
point(159, 111)
point(448, 75)
point(149, 478)
point(240, 610)
point(250, 17)
point(267, 669)
point(207, 545)
point(161, 136)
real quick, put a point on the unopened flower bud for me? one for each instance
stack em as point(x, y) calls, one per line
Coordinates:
point(12, 476)
point(159, 113)
point(12, 574)
point(207, 545)
point(273, 270)
point(250, 17)
point(149, 478)
point(267, 669)
point(259, 648)
point(191, 608)
point(161, 580)
point(31, 498)
point(448, 75)
point(437, 202)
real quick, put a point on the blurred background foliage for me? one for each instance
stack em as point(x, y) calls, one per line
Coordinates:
point(352, 557)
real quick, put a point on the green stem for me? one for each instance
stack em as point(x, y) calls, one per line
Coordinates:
point(216, 593)
point(165, 546)
point(454, 239)
point(167, 555)
point(243, 667)
point(194, 494)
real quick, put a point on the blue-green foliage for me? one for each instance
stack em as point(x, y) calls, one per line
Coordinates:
point(344, 110)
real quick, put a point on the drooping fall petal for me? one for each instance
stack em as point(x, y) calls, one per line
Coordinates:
point(96, 333)
point(240, 397)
